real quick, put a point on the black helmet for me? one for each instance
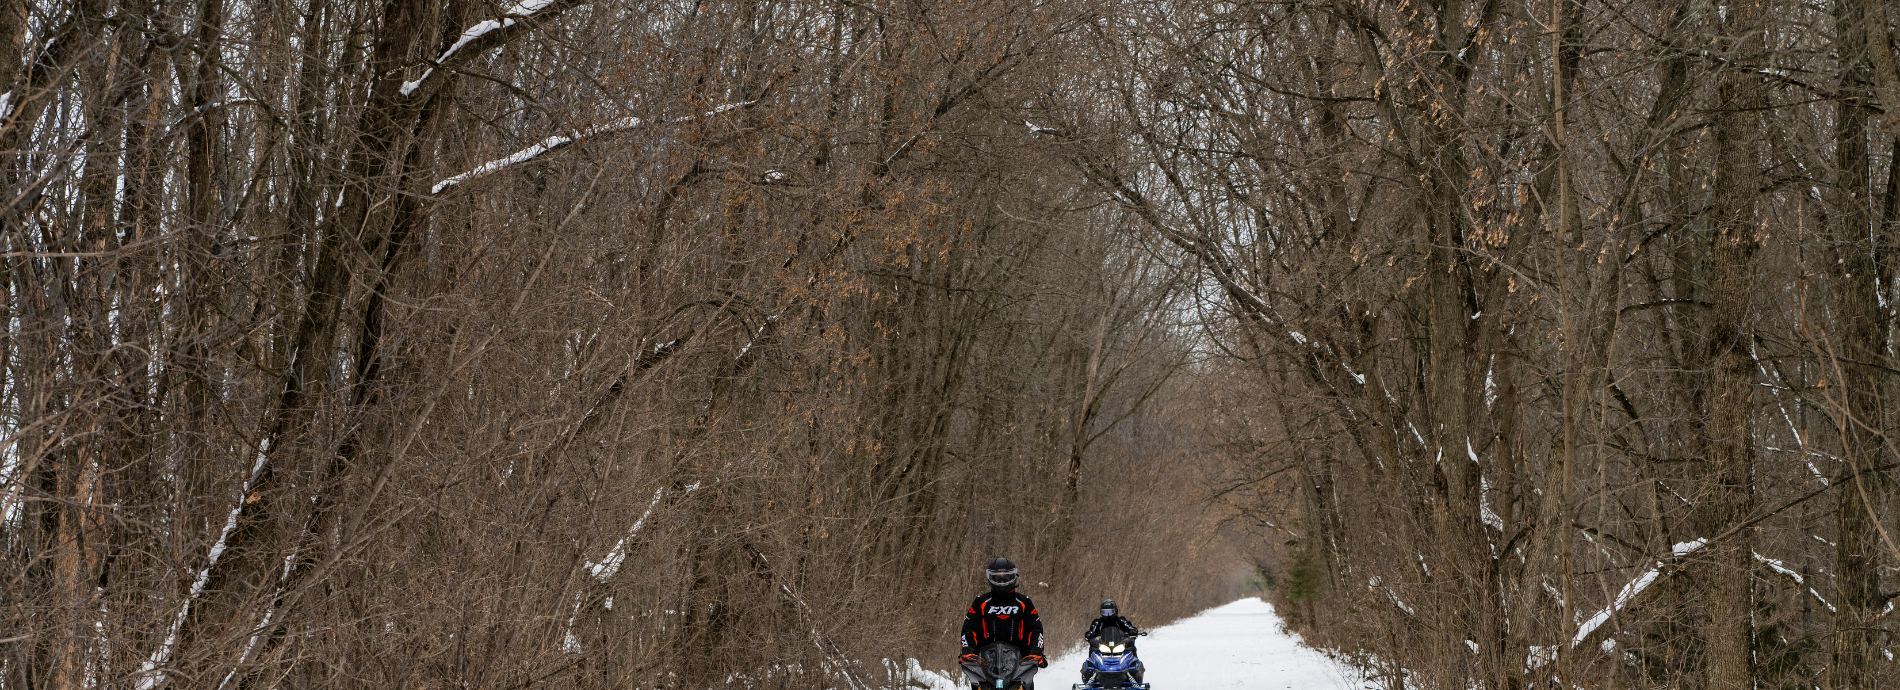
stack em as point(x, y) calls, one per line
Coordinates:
point(1108, 607)
point(1002, 575)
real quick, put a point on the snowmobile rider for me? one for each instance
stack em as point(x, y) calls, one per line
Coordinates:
point(1111, 616)
point(1003, 615)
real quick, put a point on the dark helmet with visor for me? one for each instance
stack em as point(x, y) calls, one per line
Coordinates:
point(1002, 575)
point(1108, 608)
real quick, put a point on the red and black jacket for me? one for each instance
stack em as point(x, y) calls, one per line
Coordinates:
point(1003, 617)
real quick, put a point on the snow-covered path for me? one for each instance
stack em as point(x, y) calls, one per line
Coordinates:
point(1238, 645)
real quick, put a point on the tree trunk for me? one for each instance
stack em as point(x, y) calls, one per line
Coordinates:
point(1856, 338)
point(1728, 629)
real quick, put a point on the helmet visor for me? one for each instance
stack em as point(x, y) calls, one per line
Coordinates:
point(1003, 578)
point(1108, 612)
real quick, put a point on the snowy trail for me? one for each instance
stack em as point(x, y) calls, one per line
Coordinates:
point(1238, 645)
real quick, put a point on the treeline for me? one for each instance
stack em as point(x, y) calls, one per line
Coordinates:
point(1562, 334)
point(567, 344)
point(678, 344)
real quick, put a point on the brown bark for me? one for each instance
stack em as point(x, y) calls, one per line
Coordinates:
point(1856, 336)
point(1738, 132)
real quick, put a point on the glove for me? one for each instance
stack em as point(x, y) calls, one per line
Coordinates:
point(968, 658)
point(1037, 660)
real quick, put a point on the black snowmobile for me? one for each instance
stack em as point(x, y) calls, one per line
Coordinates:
point(1000, 667)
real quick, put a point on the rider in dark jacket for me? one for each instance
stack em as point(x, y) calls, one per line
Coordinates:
point(1111, 616)
point(1003, 615)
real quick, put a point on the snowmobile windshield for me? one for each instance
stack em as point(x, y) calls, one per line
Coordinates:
point(1003, 661)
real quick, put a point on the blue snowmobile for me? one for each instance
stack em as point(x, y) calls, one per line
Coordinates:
point(1112, 664)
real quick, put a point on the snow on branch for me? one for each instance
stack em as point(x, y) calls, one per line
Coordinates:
point(1799, 581)
point(1623, 599)
point(609, 566)
point(150, 673)
point(1632, 589)
point(1378, 584)
point(562, 141)
point(521, 11)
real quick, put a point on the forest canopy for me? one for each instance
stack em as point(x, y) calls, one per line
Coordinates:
point(677, 344)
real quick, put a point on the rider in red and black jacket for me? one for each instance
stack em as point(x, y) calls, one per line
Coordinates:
point(1003, 615)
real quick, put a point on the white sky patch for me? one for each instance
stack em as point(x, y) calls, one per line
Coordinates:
point(11, 477)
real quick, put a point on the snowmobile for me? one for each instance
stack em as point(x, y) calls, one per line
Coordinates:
point(1000, 667)
point(1112, 663)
